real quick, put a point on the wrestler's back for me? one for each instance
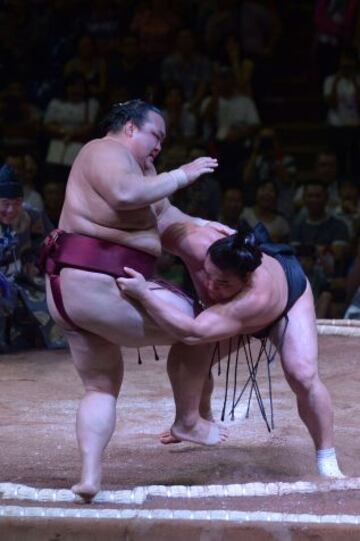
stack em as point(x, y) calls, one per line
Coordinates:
point(269, 289)
point(190, 243)
point(89, 212)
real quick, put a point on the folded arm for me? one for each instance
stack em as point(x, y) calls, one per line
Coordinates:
point(169, 215)
point(215, 323)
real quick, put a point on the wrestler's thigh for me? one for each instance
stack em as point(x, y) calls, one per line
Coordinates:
point(299, 350)
point(95, 304)
point(98, 362)
point(52, 307)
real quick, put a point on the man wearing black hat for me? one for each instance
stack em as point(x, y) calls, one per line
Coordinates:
point(22, 229)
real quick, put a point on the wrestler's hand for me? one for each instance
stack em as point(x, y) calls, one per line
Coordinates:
point(198, 167)
point(221, 228)
point(135, 286)
point(149, 168)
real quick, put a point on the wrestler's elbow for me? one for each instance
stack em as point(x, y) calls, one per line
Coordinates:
point(192, 340)
point(199, 332)
point(129, 201)
point(195, 338)
point(185, 336)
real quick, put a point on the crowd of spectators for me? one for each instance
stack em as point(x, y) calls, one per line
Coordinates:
point(209, 67)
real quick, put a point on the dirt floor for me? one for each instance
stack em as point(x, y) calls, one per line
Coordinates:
point(39, 394)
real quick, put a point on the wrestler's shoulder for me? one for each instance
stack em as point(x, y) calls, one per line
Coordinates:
point(106, 147)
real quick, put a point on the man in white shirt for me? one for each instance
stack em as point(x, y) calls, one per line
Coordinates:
point(341, 94)
point(232, 119)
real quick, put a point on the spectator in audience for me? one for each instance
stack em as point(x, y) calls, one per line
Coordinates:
point(320, 284)
point(69, 121)
point(180, 121)
point(16, 33)
point(353, 288)
point(342, 96)
point(264, 211)
point(268, 162)
point(103, 22)
point(353, 308)
point(232, 206)
point(201, 199)
point(241, 65)
point(221, 22)
point(204, 197)
point(26, 169)
point(128, 70)
point(155, 24)
point(24, 317)
point(326, 172)
point(333, 29)
point(348, 209)
point(232, 120)
point(329, 234)
point(91, 66)
point(260, 29)
point(20, 120)
point(188, 68)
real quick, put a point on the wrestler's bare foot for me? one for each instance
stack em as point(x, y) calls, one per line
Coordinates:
point(86, 491)
point(206, 412)
point(88, 486)
point(166, 438)
point(203, 432)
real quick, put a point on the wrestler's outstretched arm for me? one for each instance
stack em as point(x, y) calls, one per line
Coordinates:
point(168, 215)
point(115, 179)
point(218, 322)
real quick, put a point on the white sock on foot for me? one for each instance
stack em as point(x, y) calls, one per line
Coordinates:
point(327, 464)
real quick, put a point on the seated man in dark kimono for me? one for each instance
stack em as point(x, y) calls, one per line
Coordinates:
point(24, 317)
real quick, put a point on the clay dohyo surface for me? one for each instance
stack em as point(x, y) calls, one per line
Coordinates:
point(40, 392)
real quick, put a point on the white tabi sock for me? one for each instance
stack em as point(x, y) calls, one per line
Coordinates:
point(327, 464)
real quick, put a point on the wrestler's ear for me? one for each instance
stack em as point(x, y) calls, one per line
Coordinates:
point(130, 128)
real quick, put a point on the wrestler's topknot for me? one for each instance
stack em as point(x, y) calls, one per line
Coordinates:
point(123, 112)
point(237, 253)
point(244, 235)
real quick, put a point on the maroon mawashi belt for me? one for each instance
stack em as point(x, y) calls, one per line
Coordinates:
point(61, 249)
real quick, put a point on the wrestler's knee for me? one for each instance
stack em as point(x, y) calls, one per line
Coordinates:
point(196, 357)
point(302, 376)
point(102, 382)
point(103, 387)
